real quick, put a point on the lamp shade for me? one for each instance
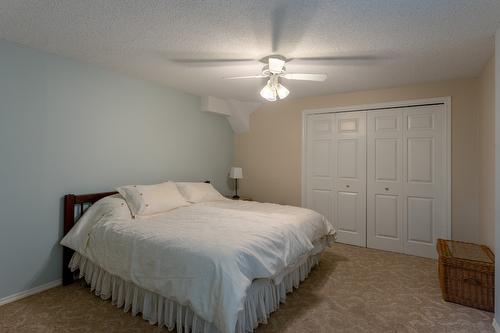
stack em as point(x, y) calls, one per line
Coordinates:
point(236, 173)
point(268, 93)
point(282, 91)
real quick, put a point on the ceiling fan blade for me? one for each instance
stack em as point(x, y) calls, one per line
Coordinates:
point(210, 62)
point(345, 60)
point(289, 21)
point(305, 77)
point(244, 77)
point(276, 65)
point(338, 58)
point(278, 17)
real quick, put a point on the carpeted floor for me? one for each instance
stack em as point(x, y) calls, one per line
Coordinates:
point(352, 290)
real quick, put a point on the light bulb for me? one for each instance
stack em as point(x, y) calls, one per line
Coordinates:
point(282, 91)
point(268, 92)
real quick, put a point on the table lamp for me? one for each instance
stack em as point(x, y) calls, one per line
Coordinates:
point(236, 173)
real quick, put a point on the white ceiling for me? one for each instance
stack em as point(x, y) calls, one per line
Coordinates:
point(397, 41)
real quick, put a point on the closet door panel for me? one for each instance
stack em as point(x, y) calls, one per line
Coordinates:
point(424, 177)
point(387, 216)
point(320, 158)
point(319, 164)
point(384, 180)
point(347, 210)
point(347, 159)
point(387, 163)
point(421, 220)
point(350, 178)
point(321, 202)
point(421, 160)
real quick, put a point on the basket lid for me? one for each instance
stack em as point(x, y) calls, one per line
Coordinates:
point(468, 251)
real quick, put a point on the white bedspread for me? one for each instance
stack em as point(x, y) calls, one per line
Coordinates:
point(206, 255)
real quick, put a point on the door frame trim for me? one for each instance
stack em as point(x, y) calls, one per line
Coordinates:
point(446, 101)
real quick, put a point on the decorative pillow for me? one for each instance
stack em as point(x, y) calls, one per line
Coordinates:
point(112, 207)
point(199, 192)
point(146, 200)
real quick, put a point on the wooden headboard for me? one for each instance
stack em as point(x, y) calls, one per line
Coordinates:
point(74, 207)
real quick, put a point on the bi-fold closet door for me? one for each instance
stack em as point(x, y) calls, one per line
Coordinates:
point(406, 197)
point(336, 172)
point(385, 180)
point(380, 176)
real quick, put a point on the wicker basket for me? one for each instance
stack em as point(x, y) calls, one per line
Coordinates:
point(467, 274)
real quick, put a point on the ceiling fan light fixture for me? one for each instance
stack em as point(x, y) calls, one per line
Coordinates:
point(274, 90)
point(268, 92)
point(282, 91)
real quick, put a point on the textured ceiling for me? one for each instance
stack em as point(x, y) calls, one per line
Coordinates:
point(395, 41)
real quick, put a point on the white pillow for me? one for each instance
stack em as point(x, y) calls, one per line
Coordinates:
point(111, 207)
point(199, 192)
point(146, 200)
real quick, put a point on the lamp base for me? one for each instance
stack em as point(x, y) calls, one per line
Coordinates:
point(236, 197)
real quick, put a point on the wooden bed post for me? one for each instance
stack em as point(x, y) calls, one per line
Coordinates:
point(69, 221)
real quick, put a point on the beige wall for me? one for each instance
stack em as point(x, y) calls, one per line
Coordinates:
point(270, 153)
point(486, 132)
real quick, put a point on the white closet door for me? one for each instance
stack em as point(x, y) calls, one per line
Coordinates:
point(384, 180)
point(349, 217)
point(319, 164)
point(424, 179)
point(380, 176)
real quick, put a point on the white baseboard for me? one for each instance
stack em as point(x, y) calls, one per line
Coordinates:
point(495, 325)
point(29, 292)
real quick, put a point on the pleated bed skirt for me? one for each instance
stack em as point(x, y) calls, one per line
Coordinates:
point(263, 298)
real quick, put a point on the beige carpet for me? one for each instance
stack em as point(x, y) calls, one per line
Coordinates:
point(352, 290)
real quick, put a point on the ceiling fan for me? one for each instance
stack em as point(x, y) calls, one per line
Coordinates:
point(274, 65)
point(274, 70)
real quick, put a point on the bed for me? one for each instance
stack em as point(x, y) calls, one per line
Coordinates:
point(211, 267)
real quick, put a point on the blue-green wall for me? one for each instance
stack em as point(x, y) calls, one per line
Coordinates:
point(68, 127)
